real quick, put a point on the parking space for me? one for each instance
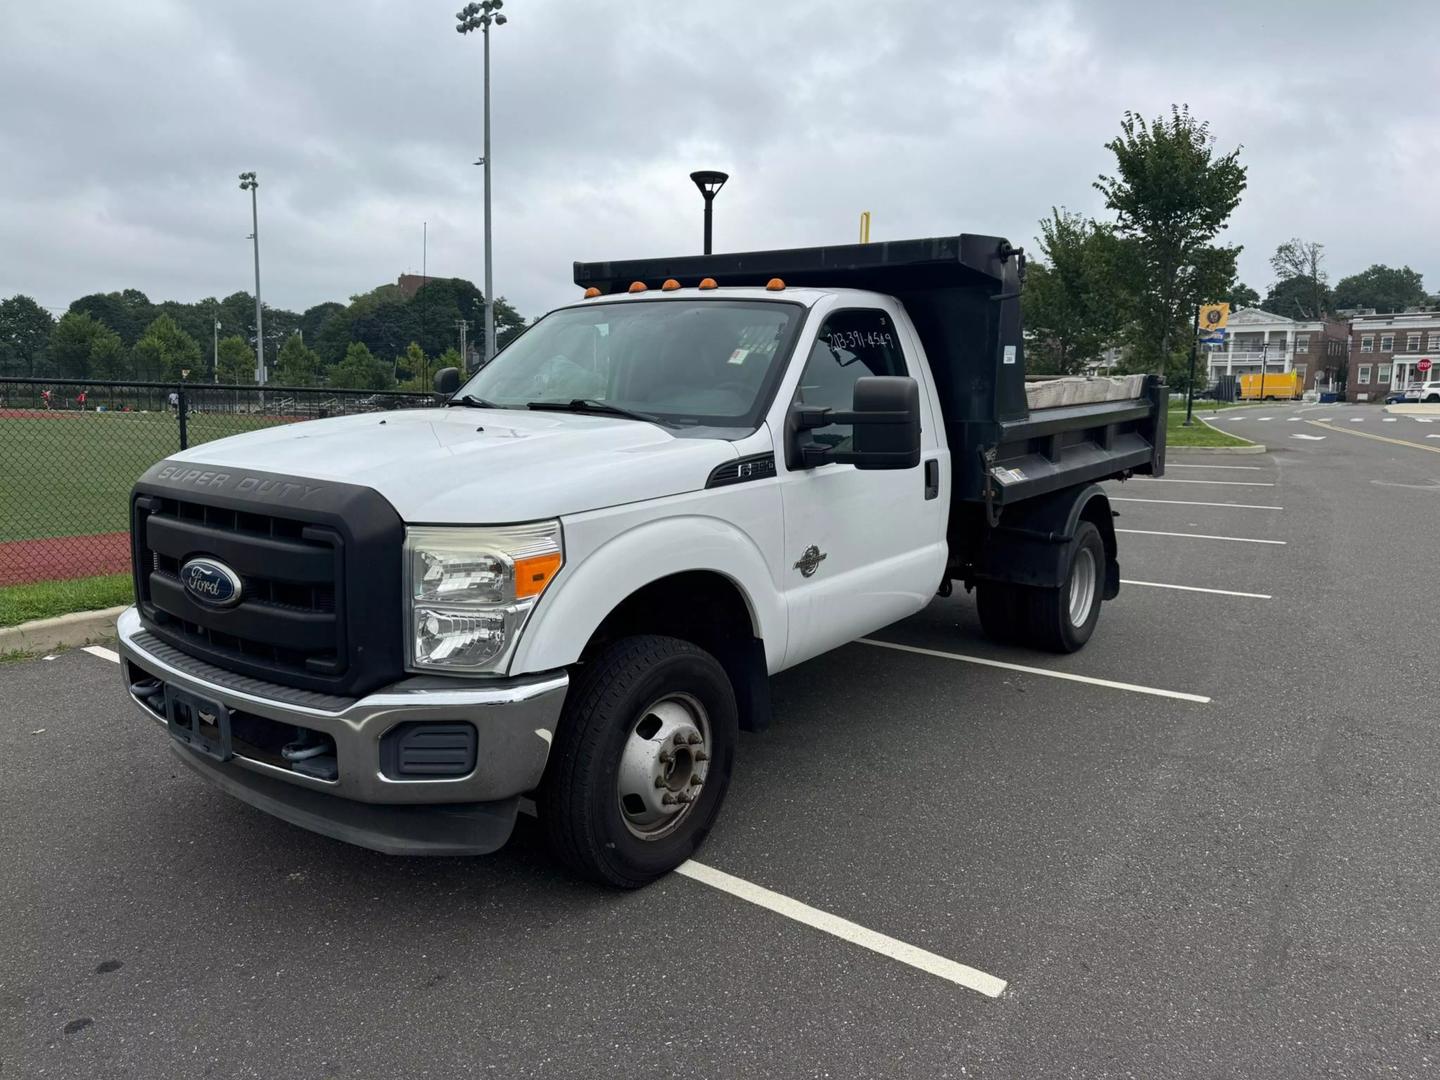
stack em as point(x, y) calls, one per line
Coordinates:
point(1172, 883)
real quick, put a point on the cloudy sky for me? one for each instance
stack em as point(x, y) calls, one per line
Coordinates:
point(124, 126)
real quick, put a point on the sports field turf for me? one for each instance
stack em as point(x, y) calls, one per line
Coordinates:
point(70, 473)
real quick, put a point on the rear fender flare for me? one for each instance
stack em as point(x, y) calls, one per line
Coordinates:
point(1028, 546)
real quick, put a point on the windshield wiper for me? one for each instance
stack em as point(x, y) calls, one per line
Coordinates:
point(472, 402)
point(594, 408)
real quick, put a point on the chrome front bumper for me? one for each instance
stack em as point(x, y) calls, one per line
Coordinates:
point(514, 718)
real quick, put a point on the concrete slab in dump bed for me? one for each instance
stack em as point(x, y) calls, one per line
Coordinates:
point(1048, 393)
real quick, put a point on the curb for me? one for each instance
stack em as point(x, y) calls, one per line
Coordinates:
point(1413, 409)
point(1249, 448)
point(63, 631)
point(1253, 448)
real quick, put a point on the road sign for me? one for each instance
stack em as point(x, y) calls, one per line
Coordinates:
point(1214, 316)
point(1423, 365)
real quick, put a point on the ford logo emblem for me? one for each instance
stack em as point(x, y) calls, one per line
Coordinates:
point(211, 582)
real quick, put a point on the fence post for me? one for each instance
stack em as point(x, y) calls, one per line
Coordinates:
point(182, 412)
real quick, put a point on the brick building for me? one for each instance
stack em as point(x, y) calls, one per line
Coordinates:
point(1386, 349)
point(1315, 348)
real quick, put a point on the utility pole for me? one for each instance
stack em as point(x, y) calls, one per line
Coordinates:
point(215, 367)
point(479, 17)
point(1190, 384)
point(249, 183)
point(464, 325)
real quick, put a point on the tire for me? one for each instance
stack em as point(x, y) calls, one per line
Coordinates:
point(642, 698)
point(1062, 620)
point(1433, 398)
point(1002, 608)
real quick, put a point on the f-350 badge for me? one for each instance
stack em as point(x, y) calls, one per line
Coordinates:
point(810, 561)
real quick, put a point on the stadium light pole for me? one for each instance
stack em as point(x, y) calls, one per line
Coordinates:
point(249, 183)
point(470, 18)
point(709, 182)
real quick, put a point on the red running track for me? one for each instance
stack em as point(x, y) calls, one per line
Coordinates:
point(23, 561)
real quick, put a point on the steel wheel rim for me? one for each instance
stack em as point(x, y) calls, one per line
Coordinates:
point(1082, 586)
point(663, 766)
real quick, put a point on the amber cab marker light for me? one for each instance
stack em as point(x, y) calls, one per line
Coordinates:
point(775, 285)
point(591, 291)
point(637, 286)
point(708, 283)
point(532, 574)
point(670, 285)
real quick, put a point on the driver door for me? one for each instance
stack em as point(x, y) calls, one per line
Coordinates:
point(862, 548)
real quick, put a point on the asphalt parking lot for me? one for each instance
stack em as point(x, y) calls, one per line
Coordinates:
point(1211, 851)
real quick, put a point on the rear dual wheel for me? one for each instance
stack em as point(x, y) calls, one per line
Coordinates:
point(1052, 619)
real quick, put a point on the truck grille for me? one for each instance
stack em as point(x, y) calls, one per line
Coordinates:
point(291, 618)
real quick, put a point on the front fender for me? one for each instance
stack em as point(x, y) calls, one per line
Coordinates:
point(586, 591)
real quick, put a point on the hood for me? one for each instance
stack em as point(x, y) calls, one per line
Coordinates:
point(480, 466)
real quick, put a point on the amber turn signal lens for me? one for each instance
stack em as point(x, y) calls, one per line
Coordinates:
point(591, 291)
point(670, 285)
point(708, 283)
point(775, 284)
point(534, 573)
point(637, 286)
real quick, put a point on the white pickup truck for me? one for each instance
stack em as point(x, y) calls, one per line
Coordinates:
point(572, 582)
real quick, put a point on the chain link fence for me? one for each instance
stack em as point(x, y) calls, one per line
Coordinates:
point(70, 452)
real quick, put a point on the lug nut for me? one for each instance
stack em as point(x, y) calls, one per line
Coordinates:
point(659, 781)
point(694, 738)
point(695, 780)
point(666, 757)
point(701, 755)
point(668, 800)
point(679, 738)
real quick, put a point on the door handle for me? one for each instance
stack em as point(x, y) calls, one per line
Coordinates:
point(932, 478)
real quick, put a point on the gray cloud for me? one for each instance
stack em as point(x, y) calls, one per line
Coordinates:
point(126, 124)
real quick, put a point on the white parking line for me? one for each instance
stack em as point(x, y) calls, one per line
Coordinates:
point(103, 653)
point(1196, 588)
point(1178, 465)
point(1183, 502)
point(1228, 483)
point(960, 974)
point(1200, 536)
point(1133, 688)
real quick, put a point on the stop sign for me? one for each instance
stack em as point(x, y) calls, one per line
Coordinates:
point(1423, 365)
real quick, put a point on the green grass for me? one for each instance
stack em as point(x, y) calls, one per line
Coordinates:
point(1198, 433)
point(71, 474)
point(46, 599)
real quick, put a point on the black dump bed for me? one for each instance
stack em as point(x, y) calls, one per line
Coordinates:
point(963, 295)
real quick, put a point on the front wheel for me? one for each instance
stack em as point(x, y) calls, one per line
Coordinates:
point(642, 759)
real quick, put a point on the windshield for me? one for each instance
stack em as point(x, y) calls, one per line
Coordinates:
point(702, 364)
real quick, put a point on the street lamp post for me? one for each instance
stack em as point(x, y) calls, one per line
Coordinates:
point(249, 183)
point(215, 366)
point(469, 18)
point(709, 182)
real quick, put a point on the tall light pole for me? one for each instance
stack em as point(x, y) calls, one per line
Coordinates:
point(479, 17)
point(709, 182)
point(249, 183)
point(215, 369)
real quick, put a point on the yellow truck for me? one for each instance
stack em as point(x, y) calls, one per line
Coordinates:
point(1282, 386)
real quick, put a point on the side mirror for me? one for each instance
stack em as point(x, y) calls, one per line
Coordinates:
point(886, 421)
point(447, 381)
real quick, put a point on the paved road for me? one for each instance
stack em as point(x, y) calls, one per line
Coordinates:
point(1242, 887)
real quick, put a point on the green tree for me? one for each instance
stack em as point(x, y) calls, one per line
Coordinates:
point(71, 344)
point(361, 370)
point(1303, 261)
point(25, 329)
point(236, 361)
point(298, 364)
point(411, 364)
point(1384, 288)
point(164, 351)
point(1242, 296)
point(1073, 302)
point(1297, 298)
point(127, 312)
point(109, 358)
point(1172, 196)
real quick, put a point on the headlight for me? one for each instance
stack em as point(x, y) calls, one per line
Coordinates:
point(471, 591)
